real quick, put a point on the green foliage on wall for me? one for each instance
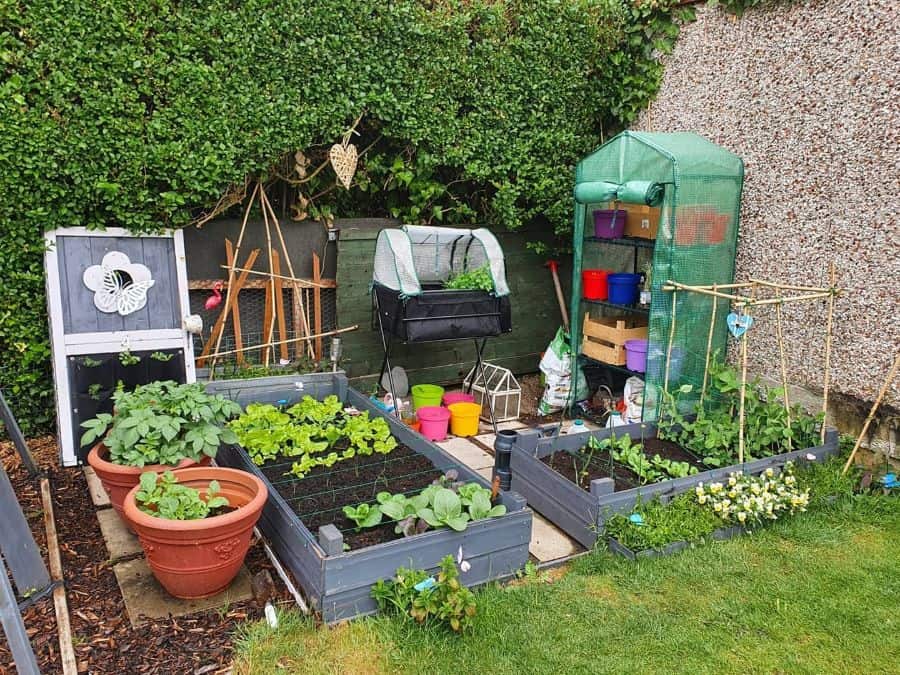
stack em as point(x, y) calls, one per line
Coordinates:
point(142, 114)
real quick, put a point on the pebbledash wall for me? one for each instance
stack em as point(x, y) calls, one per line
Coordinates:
point(806, 93)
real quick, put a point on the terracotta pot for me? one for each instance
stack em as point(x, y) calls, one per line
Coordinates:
point(199, 558)
point(118, 479)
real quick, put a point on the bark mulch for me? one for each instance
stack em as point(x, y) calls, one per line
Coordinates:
point(104, 640)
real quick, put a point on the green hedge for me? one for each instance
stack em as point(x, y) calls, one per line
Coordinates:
point(142, 113)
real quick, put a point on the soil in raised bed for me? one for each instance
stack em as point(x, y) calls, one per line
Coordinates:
point(319, 497)
point(603, 467)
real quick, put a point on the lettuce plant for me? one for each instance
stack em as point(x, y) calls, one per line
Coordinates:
point(364, 515)
point(445, 510)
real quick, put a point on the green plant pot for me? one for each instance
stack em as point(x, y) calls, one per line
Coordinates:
point(426, 395)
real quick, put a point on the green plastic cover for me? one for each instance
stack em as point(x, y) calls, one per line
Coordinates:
point(701, 187)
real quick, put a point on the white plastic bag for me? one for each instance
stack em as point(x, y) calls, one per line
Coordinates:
point(556, 365)
point(633, 395)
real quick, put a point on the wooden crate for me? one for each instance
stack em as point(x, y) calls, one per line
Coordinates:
point(604, 338)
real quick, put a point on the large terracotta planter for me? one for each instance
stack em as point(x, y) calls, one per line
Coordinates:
point(118, 479)
point(199, 558)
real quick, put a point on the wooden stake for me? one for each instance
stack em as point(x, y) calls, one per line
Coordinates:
point(236, 314)
point(784, 381)
point(828, 334)
point(862, 434)
point(230, 298)
point(789, 287)
point(269, 315)
point(709, 339)
point(279, 309)
point(671, 340)
point(60, 605)
point(230, 283)
point(317, 304)
point(301, 282)
point(287, 260)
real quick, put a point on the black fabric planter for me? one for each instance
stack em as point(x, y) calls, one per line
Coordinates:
point(442, 314)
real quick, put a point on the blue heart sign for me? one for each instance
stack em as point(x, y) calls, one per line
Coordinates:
point(739, 324)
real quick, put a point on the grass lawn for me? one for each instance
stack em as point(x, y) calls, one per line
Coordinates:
point(817, 593)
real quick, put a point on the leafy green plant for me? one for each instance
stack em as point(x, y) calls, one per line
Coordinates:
point(162, 423)
point(90, 362)
point(94, 391)
point(316, 412)
point(164, 497)
point(472, 280)
point(127, 358)
point(162, 357)
point(364, 515)
point(710, 429)
point(625, 451)
point(658, 525)
point(446, 510)
point(441, 599)
point(450, 138)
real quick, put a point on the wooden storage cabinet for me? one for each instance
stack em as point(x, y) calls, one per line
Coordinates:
point(604, 338)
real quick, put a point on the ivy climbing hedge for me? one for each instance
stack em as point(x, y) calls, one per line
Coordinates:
point(144, 113)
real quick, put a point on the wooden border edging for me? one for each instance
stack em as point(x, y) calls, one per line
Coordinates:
point(63, 627)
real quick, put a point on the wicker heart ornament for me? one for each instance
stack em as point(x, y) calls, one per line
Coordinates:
point(343, 159)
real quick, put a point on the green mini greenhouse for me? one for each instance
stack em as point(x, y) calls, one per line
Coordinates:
point(694, 187)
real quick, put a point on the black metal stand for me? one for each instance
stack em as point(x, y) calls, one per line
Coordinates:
point(387, 340)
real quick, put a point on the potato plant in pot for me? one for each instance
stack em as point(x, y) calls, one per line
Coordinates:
point(195, 525)
point(158, 426)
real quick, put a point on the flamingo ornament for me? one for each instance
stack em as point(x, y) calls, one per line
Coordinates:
point(215, 299)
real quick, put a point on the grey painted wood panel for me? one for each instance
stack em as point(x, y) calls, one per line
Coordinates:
point(76, 254)
point(339, 586)
point(19, 550)
point(582, 515)
point(79, 313)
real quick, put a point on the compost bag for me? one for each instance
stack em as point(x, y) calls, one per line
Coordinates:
point(556, 365)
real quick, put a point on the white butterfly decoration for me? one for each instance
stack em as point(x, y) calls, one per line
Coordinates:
point(119, 285)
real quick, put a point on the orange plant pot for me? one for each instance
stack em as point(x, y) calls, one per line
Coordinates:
point(199, 558)
point(118, 479)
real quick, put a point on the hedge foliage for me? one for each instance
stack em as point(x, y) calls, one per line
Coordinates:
point(141, 114)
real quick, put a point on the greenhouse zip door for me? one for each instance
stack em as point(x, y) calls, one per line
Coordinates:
point(432, 284)
point(118, 305)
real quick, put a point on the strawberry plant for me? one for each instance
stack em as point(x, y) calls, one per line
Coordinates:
point(162, 496)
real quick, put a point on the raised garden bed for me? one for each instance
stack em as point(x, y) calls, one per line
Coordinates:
point(610, 487)
point(615, 546)
point(338, 582)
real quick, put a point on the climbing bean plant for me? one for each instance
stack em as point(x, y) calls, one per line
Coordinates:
point(143, 114)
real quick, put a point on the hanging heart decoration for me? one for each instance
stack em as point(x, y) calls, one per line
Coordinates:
point(343, 158)
point(739, 324)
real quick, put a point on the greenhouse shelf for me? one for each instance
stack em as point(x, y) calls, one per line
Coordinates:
point(636, 242)
point(625, 308)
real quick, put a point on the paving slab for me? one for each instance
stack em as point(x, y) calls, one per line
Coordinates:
point(95, 488)
point(146, 599)
point(511, 425)
point(468, 453)
point(548, 542)
point(120, 541)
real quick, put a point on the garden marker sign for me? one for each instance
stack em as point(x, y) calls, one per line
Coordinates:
point(118, 306)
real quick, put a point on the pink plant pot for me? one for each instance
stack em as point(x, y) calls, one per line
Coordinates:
point(433, 421)
point(457, 397)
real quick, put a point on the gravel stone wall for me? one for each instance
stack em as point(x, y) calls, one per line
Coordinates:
point(808, 93)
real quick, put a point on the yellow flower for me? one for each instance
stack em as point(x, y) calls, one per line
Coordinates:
point(701, 499)
point(742, 516)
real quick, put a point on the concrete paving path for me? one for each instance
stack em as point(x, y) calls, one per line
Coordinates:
point(548, 542)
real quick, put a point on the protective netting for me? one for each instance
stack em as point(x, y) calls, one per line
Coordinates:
point(695, 244)
point(413, 257)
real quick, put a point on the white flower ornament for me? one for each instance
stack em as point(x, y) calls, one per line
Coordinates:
point(119, 285)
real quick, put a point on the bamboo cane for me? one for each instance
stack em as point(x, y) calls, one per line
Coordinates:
point(287, 259)
point(744, 338)
point(302, 338)
point(269, 315)
point(671, 340)
point(784, 382)
point(302, 283)
point(884, 387)
point(228, 291)
point(712, 328)
point(828, 337)
point(789, 287)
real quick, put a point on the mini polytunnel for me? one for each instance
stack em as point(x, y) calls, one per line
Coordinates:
point(431, 284)
point(694, 189)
